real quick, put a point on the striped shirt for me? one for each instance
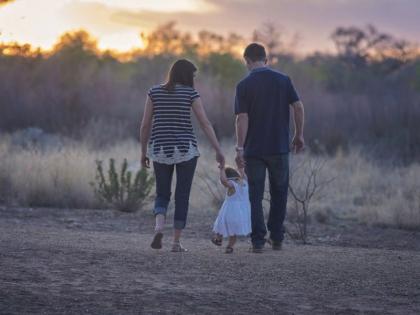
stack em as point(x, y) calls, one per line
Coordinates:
point(172, 140)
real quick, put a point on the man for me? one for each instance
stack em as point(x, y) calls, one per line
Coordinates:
point(262, 107)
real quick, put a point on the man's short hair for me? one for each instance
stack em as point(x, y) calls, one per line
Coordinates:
point(255, 52)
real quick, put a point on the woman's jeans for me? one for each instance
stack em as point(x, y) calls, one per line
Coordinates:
point(278, 175)
point(184, 177)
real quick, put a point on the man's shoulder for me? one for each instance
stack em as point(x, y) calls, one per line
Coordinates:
point(271, 73)
point(244, 82)
point(280, 75)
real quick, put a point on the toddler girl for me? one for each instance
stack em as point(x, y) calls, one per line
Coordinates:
point(235, 214)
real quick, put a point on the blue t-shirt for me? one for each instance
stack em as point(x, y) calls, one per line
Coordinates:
point(266, 95)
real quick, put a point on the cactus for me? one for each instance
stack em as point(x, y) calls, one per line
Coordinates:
point(121, 191)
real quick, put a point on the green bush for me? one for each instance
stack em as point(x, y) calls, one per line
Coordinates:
point(120, 190)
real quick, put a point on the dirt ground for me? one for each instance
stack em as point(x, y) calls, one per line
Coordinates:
point(55, 261)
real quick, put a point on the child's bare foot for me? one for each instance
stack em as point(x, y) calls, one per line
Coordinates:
point(229, 250)
point(217, 240)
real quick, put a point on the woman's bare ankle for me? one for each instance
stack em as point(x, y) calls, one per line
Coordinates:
point(159, 223)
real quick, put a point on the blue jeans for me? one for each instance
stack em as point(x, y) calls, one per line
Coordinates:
point(184, 177)
point(278, 174)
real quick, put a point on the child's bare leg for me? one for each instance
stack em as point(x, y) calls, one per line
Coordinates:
point(231, 241)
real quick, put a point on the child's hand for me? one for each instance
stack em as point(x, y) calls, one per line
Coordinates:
point(242, 172)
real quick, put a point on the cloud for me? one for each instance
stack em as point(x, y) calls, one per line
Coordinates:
point(313, 20)
point(94, 16)
point(160, 6)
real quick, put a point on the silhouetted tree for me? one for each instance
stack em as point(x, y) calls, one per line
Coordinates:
point(359, 46)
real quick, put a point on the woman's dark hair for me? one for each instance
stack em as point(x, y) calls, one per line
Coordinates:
point(255, 52)
point(231, 172)
point(181, 72)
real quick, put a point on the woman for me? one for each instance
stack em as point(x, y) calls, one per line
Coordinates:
point(167, 138)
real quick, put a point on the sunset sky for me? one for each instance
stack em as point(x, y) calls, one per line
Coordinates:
point(118, 23)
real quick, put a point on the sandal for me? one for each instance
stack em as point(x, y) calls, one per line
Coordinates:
point(216, 241)
point(178, 248)
point(157, 241)
point(229, 250)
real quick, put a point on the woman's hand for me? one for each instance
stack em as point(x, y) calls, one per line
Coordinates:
point(145, 161)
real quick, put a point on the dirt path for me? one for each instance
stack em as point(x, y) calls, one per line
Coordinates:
point(56, 270)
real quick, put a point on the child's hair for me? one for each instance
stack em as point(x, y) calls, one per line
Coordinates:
point(231, 172)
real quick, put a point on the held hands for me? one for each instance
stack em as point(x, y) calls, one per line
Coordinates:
point(220, 158)
point(298, 144)
point(240, 160)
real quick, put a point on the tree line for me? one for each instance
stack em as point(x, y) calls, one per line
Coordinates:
point(367, 93)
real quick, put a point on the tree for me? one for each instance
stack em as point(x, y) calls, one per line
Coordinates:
point(4, 2)
point(306, 183)
point(78, 41)
point(359, 46)
point(167, 40)
point(270, 36)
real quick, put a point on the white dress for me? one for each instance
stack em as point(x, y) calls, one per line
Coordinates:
point(235, 214)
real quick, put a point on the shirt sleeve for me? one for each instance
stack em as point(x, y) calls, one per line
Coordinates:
point(241, 102)
point(150, 93)
point(292, 94)
point(194, 95)
point(234, 186)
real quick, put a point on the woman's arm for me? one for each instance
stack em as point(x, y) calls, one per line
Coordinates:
point(146, 125)
point(225, 182)
point(205, 124)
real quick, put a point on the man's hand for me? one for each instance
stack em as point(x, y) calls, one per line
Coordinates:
point(240, 160)
point(298, 144)
point(241, 132)
point(145, 161)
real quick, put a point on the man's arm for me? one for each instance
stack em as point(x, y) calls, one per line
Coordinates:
point(298, 141)
point(241, 132)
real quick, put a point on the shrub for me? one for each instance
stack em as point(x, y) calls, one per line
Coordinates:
point(306, 183)
point(120, 190)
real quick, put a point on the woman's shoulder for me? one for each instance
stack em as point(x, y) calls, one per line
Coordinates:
point(156, 88)
point(189, 90)
point(185, 88)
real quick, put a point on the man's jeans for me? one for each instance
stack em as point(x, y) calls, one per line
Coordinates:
point(184, 177)
point(278, 173)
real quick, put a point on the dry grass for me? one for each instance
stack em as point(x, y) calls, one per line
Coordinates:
point(56, 178)
point(374, 194)
point(361, 189)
